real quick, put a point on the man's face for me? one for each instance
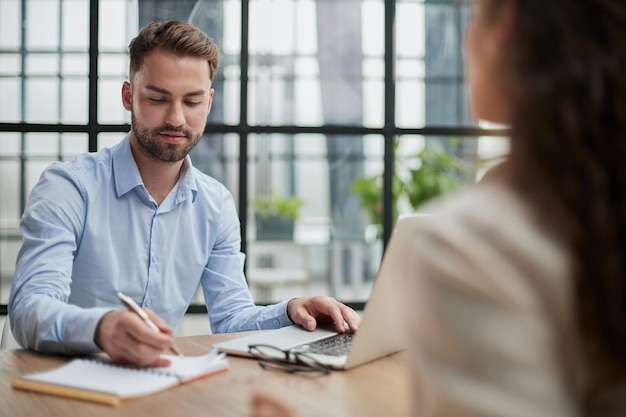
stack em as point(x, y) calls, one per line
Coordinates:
point(169, 99)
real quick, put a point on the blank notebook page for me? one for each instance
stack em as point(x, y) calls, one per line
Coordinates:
point(108, 378)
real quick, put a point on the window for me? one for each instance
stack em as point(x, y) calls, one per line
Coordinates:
point(312, 98)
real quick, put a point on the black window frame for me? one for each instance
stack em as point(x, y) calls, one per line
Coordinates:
point(389, 131)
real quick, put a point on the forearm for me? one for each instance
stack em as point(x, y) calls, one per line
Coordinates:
point(251, 317)
point(45, 324)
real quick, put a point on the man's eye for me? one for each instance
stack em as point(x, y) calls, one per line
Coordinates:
point(193, 103)
point(156, 100)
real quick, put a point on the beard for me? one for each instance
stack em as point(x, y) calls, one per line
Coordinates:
point(165, 152)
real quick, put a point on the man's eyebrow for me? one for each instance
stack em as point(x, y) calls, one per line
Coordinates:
point(168, 93)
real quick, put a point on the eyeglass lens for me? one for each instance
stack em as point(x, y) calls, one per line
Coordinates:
point(274, 358)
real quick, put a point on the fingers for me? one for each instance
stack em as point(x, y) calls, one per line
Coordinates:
point(335, 313)
point(298, 309)
point(309, 311)
point(351, 317)
point(341, 315)
point(161, 324)
point(127, 339)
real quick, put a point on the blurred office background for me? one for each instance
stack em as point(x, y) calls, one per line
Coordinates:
point(345, 113)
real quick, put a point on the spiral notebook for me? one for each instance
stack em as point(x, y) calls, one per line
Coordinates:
point(97, 380)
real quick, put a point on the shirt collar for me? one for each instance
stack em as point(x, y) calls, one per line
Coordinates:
point(187, 181)
point(125, 171)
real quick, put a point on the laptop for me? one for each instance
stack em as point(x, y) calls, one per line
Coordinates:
point(382, 330)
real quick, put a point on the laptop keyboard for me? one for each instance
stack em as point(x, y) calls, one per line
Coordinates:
point(337, 345)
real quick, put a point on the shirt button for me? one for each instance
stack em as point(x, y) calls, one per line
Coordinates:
point(147, 303)
point(277, 323)
point(155, 258)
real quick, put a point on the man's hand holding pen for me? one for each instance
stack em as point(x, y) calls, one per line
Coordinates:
point(126, 338)
point(131, 305)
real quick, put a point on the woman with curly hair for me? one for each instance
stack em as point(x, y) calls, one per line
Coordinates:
point(517, 304)
point(522, 278)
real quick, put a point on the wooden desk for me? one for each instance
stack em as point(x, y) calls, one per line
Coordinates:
point(379, 388)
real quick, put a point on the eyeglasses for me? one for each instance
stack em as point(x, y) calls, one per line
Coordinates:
point(275, 359)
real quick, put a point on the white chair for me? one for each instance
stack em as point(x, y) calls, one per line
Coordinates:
point(8, 341)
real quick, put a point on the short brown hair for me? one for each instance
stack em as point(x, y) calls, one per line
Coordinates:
point(179, 38)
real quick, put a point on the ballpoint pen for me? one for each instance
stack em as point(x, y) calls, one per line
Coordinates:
point(132, 306)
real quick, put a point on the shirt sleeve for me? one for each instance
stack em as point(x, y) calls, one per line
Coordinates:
point(228, 299)
point(486, 329)
point(41, 318)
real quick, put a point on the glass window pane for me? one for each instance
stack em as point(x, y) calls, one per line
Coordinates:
point(367, 187)
point(374, 106)
point(429, 64)
point(42, 97)
point(9, 204)
point(446, 103)
point(304, 43)
point(113, 72)
point(307, 95)
point(410, 30)
point(10, 211)
point(217, 155)
point(444, 38)
point(76, 35)
point(10, 108)
point(10, 242)
point(373, 28)
point(74, 106)
point(230, 95)
point(231, 43)
point(42, 64)
point(107, 140)
point(75, 64)
point(10, 144)
point(42, 25)
point(42, 144)
point(113, 36)
point(110, 108)
point(10, 64)
point(10, 17)
point(329, 89)
point(10, 214)
point(410, 111)
point(73, 144)
point(113, 65)
point(317, 171)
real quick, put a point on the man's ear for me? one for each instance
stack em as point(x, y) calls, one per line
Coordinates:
point(210, 101)
point(127, 95)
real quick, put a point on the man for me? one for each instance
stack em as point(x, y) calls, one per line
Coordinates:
point(139, 219)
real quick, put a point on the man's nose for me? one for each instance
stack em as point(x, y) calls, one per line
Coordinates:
point(175, 115)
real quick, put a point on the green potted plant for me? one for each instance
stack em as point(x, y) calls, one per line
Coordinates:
point(418, 178)
point(438, 173)
point(275, 215)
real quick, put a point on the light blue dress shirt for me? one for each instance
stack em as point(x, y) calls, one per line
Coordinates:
point(91, 229)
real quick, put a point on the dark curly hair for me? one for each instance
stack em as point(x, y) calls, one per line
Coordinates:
point(567, 63)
